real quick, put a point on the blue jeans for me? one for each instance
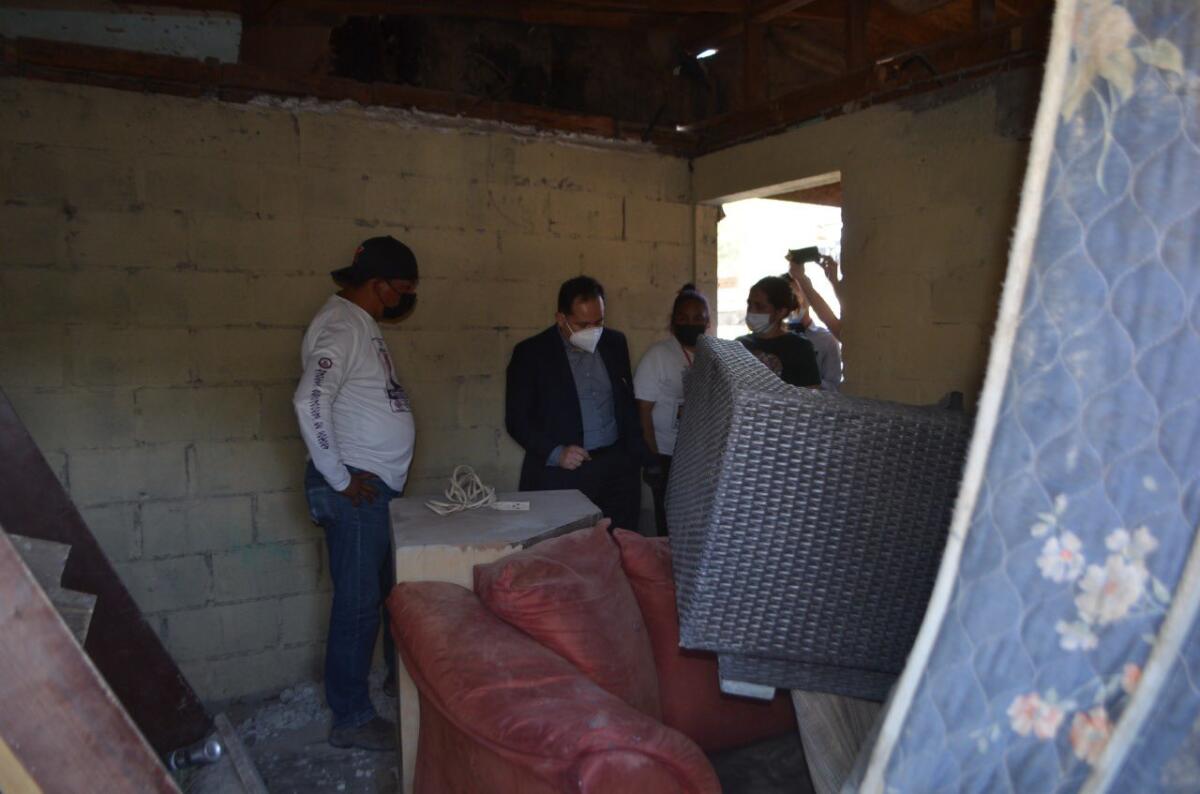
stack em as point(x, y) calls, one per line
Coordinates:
point(359, 540)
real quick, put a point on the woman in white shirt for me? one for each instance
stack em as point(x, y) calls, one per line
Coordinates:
point(658, 388)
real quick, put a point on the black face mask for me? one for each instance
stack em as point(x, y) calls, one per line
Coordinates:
point(688, 334)
point(408, 302)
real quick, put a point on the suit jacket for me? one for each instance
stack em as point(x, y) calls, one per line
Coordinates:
point(541, 403)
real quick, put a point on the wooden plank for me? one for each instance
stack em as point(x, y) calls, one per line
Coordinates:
point(14, 777)
point(754, 64)
point(612, 15)
point(856, 34)
point(85, 57)
point(235, 751)
point(58, 718)
point(833, 729)
point(762, 12)
point(121, 644)
point(65, 62)
point(810, 50)
point(966, 57)
point(46, 558)
point(76, 610)
point(985, 14)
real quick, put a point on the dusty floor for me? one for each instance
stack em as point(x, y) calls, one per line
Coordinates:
point(286, 737)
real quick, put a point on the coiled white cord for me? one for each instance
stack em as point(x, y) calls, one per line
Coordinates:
point(465, 492)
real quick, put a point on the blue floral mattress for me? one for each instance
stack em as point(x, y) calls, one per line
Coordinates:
point(1061, 650)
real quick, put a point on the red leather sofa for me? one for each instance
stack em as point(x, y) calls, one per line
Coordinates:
point(562, 672)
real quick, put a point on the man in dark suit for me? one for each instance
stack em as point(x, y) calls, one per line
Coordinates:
point(569, 403)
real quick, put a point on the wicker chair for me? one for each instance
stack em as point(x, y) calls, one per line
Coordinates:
point(806, 527)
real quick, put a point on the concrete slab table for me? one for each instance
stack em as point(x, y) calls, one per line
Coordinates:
point(429, 547)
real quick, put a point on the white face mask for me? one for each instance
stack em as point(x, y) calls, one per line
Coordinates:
point(758, 323)
point(586, 339)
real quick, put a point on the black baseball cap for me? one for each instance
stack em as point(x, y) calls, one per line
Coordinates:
point(379, 257)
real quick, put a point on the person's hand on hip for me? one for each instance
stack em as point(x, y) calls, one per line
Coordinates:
point(360, 488)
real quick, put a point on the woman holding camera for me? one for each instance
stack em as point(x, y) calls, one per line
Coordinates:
point(787, 354)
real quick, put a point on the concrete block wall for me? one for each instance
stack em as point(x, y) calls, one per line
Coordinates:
point(930, 188)
point(159, 260)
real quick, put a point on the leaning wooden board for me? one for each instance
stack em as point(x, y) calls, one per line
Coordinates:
point(61, 727)
point(120, 642)
point(47, 560)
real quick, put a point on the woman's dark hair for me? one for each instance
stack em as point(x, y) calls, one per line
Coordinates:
point(779, 292)
point(578, 288)
point(688, 292)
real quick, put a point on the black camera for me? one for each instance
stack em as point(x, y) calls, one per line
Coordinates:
point(803, 255)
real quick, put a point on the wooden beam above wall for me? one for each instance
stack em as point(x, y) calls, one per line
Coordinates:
point(754, 64)
point(135, 71)
point(700, 37)
point(985, 14)
point(809, 50)
point(614, 14)
point(1006, 46)
point(854, 66)
point(856, 33)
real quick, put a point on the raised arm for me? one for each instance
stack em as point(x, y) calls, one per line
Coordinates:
point(818, 304)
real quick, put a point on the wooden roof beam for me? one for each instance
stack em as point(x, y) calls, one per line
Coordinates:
point(610, 14)
point(135, 71)
point(985, 14)
point(856, 33)
point(760, 12)
point(810, 51)
point(1017, 42)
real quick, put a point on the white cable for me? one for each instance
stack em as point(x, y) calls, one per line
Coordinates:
point(465, 492)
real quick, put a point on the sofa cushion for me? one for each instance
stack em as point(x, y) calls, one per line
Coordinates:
point(570, 594)
point(689, 684)
point(500, 712)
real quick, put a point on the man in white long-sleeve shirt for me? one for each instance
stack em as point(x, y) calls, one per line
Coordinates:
point(356, 421)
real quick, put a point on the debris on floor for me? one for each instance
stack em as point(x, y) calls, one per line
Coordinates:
point(286, 737)
point(772, 766)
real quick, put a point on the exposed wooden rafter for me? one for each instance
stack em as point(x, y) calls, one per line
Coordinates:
point(985, 14)
point(836, 54)
point(811, 51)
point(78, 63)
point(1010, 45)
point(615, 14)
point(754, 63)
point(760, 12)
point(856, 33)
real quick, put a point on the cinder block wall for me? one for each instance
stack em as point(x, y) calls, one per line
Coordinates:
point(159, 260)
point(931, 187)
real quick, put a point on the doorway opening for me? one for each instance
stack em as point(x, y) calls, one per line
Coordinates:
point(757, 230)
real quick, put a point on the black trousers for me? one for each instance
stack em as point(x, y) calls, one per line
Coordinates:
point(611, 479)
point(659, 491)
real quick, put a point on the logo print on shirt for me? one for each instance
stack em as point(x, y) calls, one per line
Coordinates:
point(325, 363)
point(397, 397)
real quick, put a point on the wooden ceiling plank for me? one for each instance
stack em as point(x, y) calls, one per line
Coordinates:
point(810, 50)
point(79, 63)
point(971, 54)
point(754, 64)
point(985, 14)
point(856, 33)
point(760, 12)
